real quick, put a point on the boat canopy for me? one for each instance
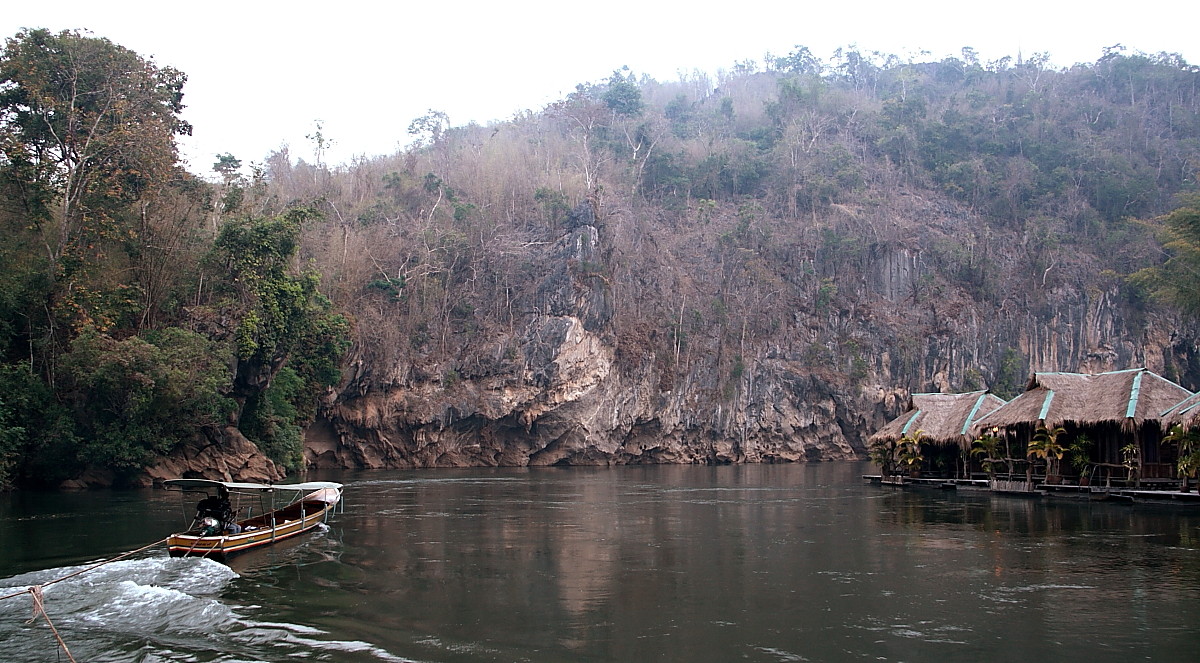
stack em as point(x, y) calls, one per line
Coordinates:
point(208, 484)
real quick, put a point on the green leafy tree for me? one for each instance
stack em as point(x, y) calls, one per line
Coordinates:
point(1010, 377)
point(1081, 454)
point(1177, 280)
point(87, 129)
point(11, 435)
point(282, 319)
point(623, 97)
point(86, 123)
point(38, 443)
point(136, 399)
point(270, 418)
point(253, 257)
point(228, 167)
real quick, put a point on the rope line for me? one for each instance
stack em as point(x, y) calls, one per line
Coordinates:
point(39, 599)
point(86, 569)
point(39, 609)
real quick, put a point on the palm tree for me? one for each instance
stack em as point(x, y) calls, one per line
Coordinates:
point(910, 451)
point(1188, 458)
point(987, 446)
point(1187, 466)
point(1045, 445)
point(1131, 458)
point(883, 454)
point(1081, 456)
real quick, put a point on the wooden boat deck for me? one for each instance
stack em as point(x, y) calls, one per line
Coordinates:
point(289, 521)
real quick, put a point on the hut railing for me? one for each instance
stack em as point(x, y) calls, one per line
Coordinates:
point(1158, 471)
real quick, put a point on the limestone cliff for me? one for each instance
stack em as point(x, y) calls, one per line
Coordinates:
point(582, 380)
point(573, 405)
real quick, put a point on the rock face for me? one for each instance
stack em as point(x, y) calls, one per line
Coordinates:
point(567, 399)
point(228, 456)
point(223, 456)
point(575, 406)
point(580, 380)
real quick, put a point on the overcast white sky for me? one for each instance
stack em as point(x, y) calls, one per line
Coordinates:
point(262, 72)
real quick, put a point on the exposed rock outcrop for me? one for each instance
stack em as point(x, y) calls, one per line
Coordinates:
point(574, 406)
point(568, 399)
point(227, 456)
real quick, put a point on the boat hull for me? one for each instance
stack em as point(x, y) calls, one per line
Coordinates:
point(257, 532)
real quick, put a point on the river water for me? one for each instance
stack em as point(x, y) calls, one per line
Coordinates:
point(661, 563)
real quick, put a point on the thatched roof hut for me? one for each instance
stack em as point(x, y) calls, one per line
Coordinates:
point(1185, 412)
point(1128, 398)
point(1115, 412)
point(945, 419)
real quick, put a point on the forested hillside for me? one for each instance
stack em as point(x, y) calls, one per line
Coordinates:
point(748, 268)
point(137, 317)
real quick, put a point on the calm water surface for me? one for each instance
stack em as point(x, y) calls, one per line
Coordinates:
point(735, 563)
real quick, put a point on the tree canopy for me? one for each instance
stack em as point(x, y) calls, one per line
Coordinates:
point(1177, 280)
point(115, 264)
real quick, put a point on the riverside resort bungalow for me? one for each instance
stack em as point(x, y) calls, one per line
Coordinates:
point(1102, 434)
point(934, 433)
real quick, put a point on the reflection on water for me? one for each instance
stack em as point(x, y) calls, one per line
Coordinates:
point(758, 563)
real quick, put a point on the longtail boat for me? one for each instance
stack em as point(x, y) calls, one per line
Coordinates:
point(234, 517)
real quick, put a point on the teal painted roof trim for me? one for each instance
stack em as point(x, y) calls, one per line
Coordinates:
point(910, 421)
point(1046, 405)
point(1185, 410)
point(974, 410)
point(1170, 382)
point(1134, 393)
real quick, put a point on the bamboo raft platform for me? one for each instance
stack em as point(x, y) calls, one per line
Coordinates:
point(924, 482)
point(1021, 488)
point(1122, 494)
